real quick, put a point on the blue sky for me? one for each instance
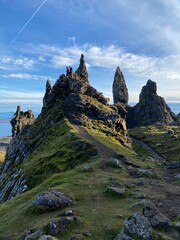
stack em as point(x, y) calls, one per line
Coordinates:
point(39, 38)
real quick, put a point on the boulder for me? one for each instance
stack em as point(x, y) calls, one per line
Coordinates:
point(34, 236)
point(114, 162)
point(156, 219)
point(88, 168)
point(57, 225)
point(118, 191)
point(52, 200)
point(136, 227)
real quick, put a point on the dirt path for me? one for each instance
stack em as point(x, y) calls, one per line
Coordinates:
point(168, 195)
point(147, 147)
point(105, 152)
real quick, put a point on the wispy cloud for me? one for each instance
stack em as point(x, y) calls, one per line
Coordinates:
point(24, 76)
point(11, 62)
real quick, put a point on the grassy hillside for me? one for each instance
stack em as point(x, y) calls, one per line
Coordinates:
point(57, 164)
point(164, 139)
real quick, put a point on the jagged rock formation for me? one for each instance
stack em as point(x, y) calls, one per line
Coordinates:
point(71, 97)
point(120, 91)
point(83, 103)
point(150, 109)
point(82, 71)
point(47, 93)
point(21, 119)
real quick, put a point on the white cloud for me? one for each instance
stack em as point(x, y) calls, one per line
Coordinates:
point(24, 76)
point(137, 68)
point(9, 62)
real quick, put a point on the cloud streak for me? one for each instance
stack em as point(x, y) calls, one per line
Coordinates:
point(25, 76)
point(25, 25)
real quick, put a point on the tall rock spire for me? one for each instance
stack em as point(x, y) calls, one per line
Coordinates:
point(82, 71)
point(120, 91)
point(47, 93)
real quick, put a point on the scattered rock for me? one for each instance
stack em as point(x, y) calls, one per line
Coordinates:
point(86, 233)
point(47, 237)
point(156, 219)
point(113, 183)
point(122, 236)
point(118, 191)
point(139, 204)
point(177, 177)
point(34, 236)
point(59, 224)
point(114, 162)
point(142, 196)
point(136, 227)
point(52, 200)
point(88, 168)
point(146, 173)
point(69, 213)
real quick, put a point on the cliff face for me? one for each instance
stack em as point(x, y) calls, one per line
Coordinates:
point(73, 98)
point(150, 109)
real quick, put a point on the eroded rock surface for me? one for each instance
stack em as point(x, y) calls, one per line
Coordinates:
point(156, 219)
point(120, 91)
point(150, 109)
point(21, 119)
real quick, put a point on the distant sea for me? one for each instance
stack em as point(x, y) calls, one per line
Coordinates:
point(5, 129)
point(5, 126)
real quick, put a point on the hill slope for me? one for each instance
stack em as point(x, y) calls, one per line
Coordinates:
point(73, 174)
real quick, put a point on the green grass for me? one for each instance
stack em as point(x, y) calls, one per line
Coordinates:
point(102, 213)
point(161, 140)
point(57, 162)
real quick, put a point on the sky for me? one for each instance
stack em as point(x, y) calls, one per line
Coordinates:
point(39, 38)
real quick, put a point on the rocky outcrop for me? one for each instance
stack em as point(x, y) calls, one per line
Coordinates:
point(47, 93)
point(150, 109)
point(120, 91)
point(71, 97)
point(82, 103)
point(82, 71)
point(21, 119)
